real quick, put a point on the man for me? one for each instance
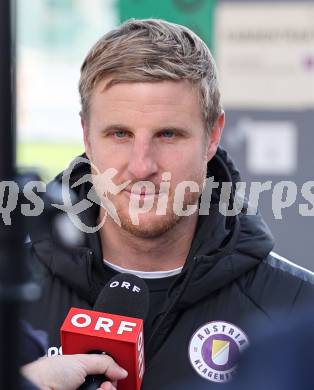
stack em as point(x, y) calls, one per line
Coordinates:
point(152, 123)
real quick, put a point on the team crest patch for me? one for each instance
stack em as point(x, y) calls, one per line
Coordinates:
point(215, 348)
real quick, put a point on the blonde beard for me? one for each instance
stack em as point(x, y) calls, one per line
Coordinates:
point(157, 225)
point(157, 228)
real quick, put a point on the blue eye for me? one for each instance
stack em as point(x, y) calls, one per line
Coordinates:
point(168, 134)
point(120, 134)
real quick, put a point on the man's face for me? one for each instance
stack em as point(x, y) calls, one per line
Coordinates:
point(143, 130)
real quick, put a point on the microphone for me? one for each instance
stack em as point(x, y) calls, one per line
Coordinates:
point(114, 326)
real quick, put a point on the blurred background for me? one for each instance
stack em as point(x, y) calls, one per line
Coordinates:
point(265, 56)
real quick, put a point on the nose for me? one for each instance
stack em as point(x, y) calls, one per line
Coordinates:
point(142, 162)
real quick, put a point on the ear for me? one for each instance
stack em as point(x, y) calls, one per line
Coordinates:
point(215, 136)
point(87, 145)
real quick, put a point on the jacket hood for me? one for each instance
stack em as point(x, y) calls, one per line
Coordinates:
point(224, 247)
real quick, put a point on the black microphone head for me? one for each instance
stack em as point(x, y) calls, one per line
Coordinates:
point(126, 295)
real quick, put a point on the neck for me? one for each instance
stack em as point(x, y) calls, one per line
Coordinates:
point(163, 253)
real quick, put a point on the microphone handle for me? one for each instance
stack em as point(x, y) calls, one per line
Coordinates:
point(93, 382)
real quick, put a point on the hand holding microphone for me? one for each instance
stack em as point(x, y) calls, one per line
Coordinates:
point(115, 326)
point(68, 372)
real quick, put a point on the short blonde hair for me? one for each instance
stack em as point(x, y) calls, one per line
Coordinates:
point(152, 50)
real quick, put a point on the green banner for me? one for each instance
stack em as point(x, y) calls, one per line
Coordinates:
point(198, 15)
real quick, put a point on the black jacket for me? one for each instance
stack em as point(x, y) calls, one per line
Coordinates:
point(33, 346)
point(230, 276)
